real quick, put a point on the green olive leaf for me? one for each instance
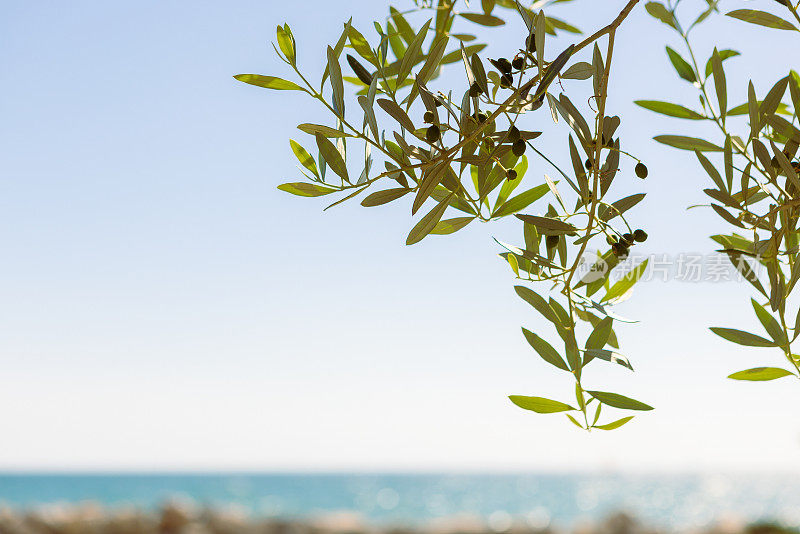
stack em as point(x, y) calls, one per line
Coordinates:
point(579, 71)
point(306, 160)
point(615, 400)
point(682, 66)
point(616, 424)
point(540, 404)
point(669, 109)
point(305, 189)
point(626, 283)
point(286, 43)
point(688, 143)
point(450, 226)
point(762, 18)
point(427, 223)
point(760, 374)
point(269, 82)
point(384, 197)
point(658, 11)
point(483, 19)
point(723, 55)
point(545, 350)
point(742, 338)
point(332, 157)
point(521, 201)
point(548, 225)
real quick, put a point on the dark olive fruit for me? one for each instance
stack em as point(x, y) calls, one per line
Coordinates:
point(518, 148)
point(513, 134)
point(640, 235)
point(615, 248)
point(475, 90)
point(506, 81)
point(480, 116)
point(432, 134)
point(610, 239)
point(437, 102)
point(518, 63)
point(428, 117)
point(504, 65)
point(551, 241)
point(362, 73)
point(530, 43)
point(511, 174)
point(628, 238)
point(587, 163)
point(641, 170)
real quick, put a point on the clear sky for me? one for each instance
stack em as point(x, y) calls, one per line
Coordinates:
point(164, 306)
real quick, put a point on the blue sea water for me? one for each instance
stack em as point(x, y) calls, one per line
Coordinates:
point(671, 501)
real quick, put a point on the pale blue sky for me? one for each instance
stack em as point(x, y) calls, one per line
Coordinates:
point(163, 305)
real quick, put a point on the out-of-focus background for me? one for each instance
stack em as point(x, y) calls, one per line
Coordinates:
point(168, 317)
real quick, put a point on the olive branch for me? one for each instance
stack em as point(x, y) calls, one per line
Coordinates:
point(468, 154)
point(763, 204)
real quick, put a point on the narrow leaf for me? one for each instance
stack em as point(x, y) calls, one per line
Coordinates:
point(616, 424)
point(669, 109)
point(305, 189)
point(687, 143)
point(332, 156)
point(615, 400)
point(762, 18)
point(741, 337)
point(540, 404)
point(760, 374)
point(427, 223)
point(626, 283)
point(269, 82)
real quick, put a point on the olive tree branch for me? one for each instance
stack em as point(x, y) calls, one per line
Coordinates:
point(609, 28)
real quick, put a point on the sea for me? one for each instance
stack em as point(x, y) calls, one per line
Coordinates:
point(672, 502)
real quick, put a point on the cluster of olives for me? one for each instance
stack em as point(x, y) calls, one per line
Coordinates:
point(506, 67)
point(433, 133)
point(517, 143)
point(621, 247)
point(514, 137)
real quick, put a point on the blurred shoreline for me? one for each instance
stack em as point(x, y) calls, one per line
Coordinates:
point(175, 517)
